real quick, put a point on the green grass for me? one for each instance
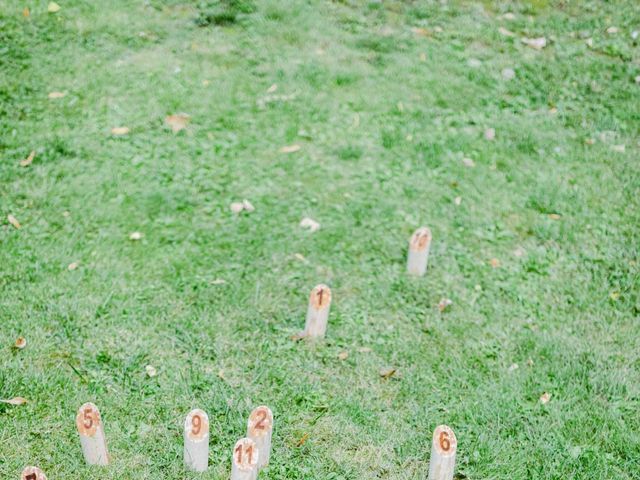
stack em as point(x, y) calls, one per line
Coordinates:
point(384, 117)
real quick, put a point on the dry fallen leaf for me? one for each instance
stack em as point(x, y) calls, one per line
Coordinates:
point(72, 266)
point(554, 216)
point(457, 201)
point(474, 63)
point(13, 221)
point(54, 95)
point(537, 43)
point(612, 30)
point(589, 141)
point(423, 57)
point(290, 148)
point(509, 16)
point(53, 7)
point(310, 224)
point(421, 32)
point(387, 372)
point(248, 207)
point(218, 281)
point(27, 161)
point(120, 130)
point(21, 342)
point(514, 366)
point(519, 252)
point(304, 438)
point(26, 12)
point(221, 374)
point(444, 303)
point(236, 207)
point(343, 355)
point(489, 134)
point(300, 257)
point(529, 362)
point(545, 397)
point(468, 162)
point(364, 350)
point(177, 121)
point(15, 401)
point(618, 148)
point(136, 236)
point(494, 262)
point(151, 371)
point(508, 73)
point(506, 33)
point(272, 88)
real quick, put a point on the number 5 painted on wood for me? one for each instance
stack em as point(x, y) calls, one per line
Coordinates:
point(91, 434)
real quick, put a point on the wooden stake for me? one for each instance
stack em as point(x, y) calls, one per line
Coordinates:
point(196, 440)
point(33, 473)
point(443, 454)
point(244, 463)
point(419, 246)
point(259, 429)
point(318, 311)
point(91, 433)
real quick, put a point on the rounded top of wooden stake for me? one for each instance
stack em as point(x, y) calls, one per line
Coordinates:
point(245, 454)
point(420, 239)
point(444, 441)
point(320, 296)
point(260, 422)
point(88, 419)
point(196, 425)
point(33, 473)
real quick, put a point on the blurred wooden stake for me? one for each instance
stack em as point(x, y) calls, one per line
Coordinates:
point(419, 246)
point(443, 454)
point(196, 441)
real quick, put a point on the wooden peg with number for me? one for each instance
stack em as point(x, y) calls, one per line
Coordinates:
point(318, 311)
point(443, 454)
point(91, 433)
point(419, 246)
point(244, 464)
point(196, 440)
point(259, 429)
point(33, 473)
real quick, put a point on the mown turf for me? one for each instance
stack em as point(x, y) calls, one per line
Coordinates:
point(384, 102)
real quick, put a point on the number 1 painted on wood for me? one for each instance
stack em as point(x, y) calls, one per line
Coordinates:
point(318, 312)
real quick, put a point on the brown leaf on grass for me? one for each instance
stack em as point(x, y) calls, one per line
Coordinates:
point(387, 372)
point(73, 265)
point(343, 355)
point(151, 371)
point(505, 32)
point(120, 130)
point(545, 397)
point(494, 262)
point(457, 201)
point(444, 303)
point(247, 206)
point(272, 88)
point(519, 252)
point(421, 32)
point(468, 162)
point(27, 161)
point(20, 343)
point(15, 401)
point(13, 221)
point(364, 350)
point(53, 7)
point(290, 148)
point(177, 121)
point(26, 12)
point(554, 216)
point(536, 43)
point(310, 224)
point(54, 95)
point(301, 442)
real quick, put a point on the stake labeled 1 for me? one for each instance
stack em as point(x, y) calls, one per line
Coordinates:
point(419, 246)
point(318, 312)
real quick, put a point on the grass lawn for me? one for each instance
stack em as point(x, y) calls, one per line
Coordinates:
point(384, 108)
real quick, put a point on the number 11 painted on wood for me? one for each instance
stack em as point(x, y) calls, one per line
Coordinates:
point(244, 463)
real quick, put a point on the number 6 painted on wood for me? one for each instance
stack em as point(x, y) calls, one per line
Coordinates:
point(419, 246)
point(33, 473)
point(244, 463)
point(196, 440)
point(259, 429)
point(443, 454)
point(318, 311)
point(91, 433)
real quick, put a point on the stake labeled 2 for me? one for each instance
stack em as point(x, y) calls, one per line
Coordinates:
point(259, 429)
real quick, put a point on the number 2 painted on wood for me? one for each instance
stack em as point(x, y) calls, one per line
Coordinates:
point(262, 417)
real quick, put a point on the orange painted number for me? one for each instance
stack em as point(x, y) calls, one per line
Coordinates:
point(196, 424)
point(88, 419)
point(445, 444)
